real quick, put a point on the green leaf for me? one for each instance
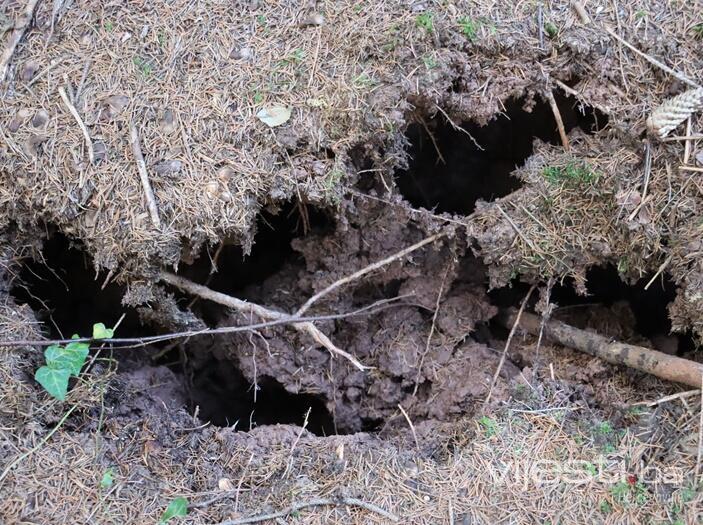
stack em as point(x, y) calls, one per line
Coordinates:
point(70, 358)
point(54, 380)
point(100, 332)
point(177, 508)
point(107, 479)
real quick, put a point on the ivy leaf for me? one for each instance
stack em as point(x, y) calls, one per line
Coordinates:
point(54, 380)
point(70, 358)
point(107, 479)
point(274, 116)
point(177, 508)
point(100, 332)
point(76, 354)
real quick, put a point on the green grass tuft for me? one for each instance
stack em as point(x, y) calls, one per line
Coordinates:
point(573, 173)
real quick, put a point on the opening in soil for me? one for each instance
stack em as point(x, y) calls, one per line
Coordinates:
point(69, 297)
point(448, 172)
point(225, 398)
point(614, 308)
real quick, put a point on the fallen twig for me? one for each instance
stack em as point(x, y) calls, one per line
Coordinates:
point(652, 60)
point(72, 109)
point(557, 116)
point(144, 176)
point(260, 311)
point(410, 423)
point(295, 507)
point(17, 33)
point(137, 342)
point(368, 269)
point(664, 366)
point(507, 342)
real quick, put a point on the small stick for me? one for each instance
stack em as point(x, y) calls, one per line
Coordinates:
point(17, 33)
point(364, 271)
point(581, 11)
point(687, 144)
point(557, 117)
point(647, 173)
point(691, 168)
point(682, 137)
point(144, 176)
point(540, 28)
point(459, 128)
point(661, 268)
point(432, 330)
point(295, 507)
point(507, 342)
point(72, 109)
point(412, 427)
point(664, 366)
point(665, 399)
point(652, 60)
point(261, 311)
point(84, 77)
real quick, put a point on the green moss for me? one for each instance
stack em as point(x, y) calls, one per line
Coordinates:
point(573, 174)
point(425, 21)
point(469, 27)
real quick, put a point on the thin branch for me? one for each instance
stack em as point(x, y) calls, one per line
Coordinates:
point(320, 502)
point(557, 117)
point(459, 128)
point(652, 60)
point(17, 33)
point(256, 309)
point(144, 341)
point(144, 176)
point(508, 341)
point(368, 269)
point(72, 109)
point(410, 423)
point(432, 330)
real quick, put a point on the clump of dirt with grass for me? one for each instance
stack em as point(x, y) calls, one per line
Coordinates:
point(256, 262)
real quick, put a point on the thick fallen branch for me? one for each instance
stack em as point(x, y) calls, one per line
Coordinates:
point(17, 33)
point(258, 310)
point(653, 362)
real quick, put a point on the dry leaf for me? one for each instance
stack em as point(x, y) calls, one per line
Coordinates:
point(225, 484)
point(274, 116)
point(699, 157)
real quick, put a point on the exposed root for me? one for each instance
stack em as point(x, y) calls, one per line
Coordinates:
point(17, 33)
point(513, 328)
point(368, 269)
point(260, 311)
point(653, 362)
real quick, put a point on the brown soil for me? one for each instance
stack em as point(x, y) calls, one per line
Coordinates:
point(407, 121)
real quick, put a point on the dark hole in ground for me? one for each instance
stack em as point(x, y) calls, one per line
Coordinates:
point(467, 173)
point(65, 293)
point(219, 390)
point(270, 252)
point(225, 398)
point(607, 289)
